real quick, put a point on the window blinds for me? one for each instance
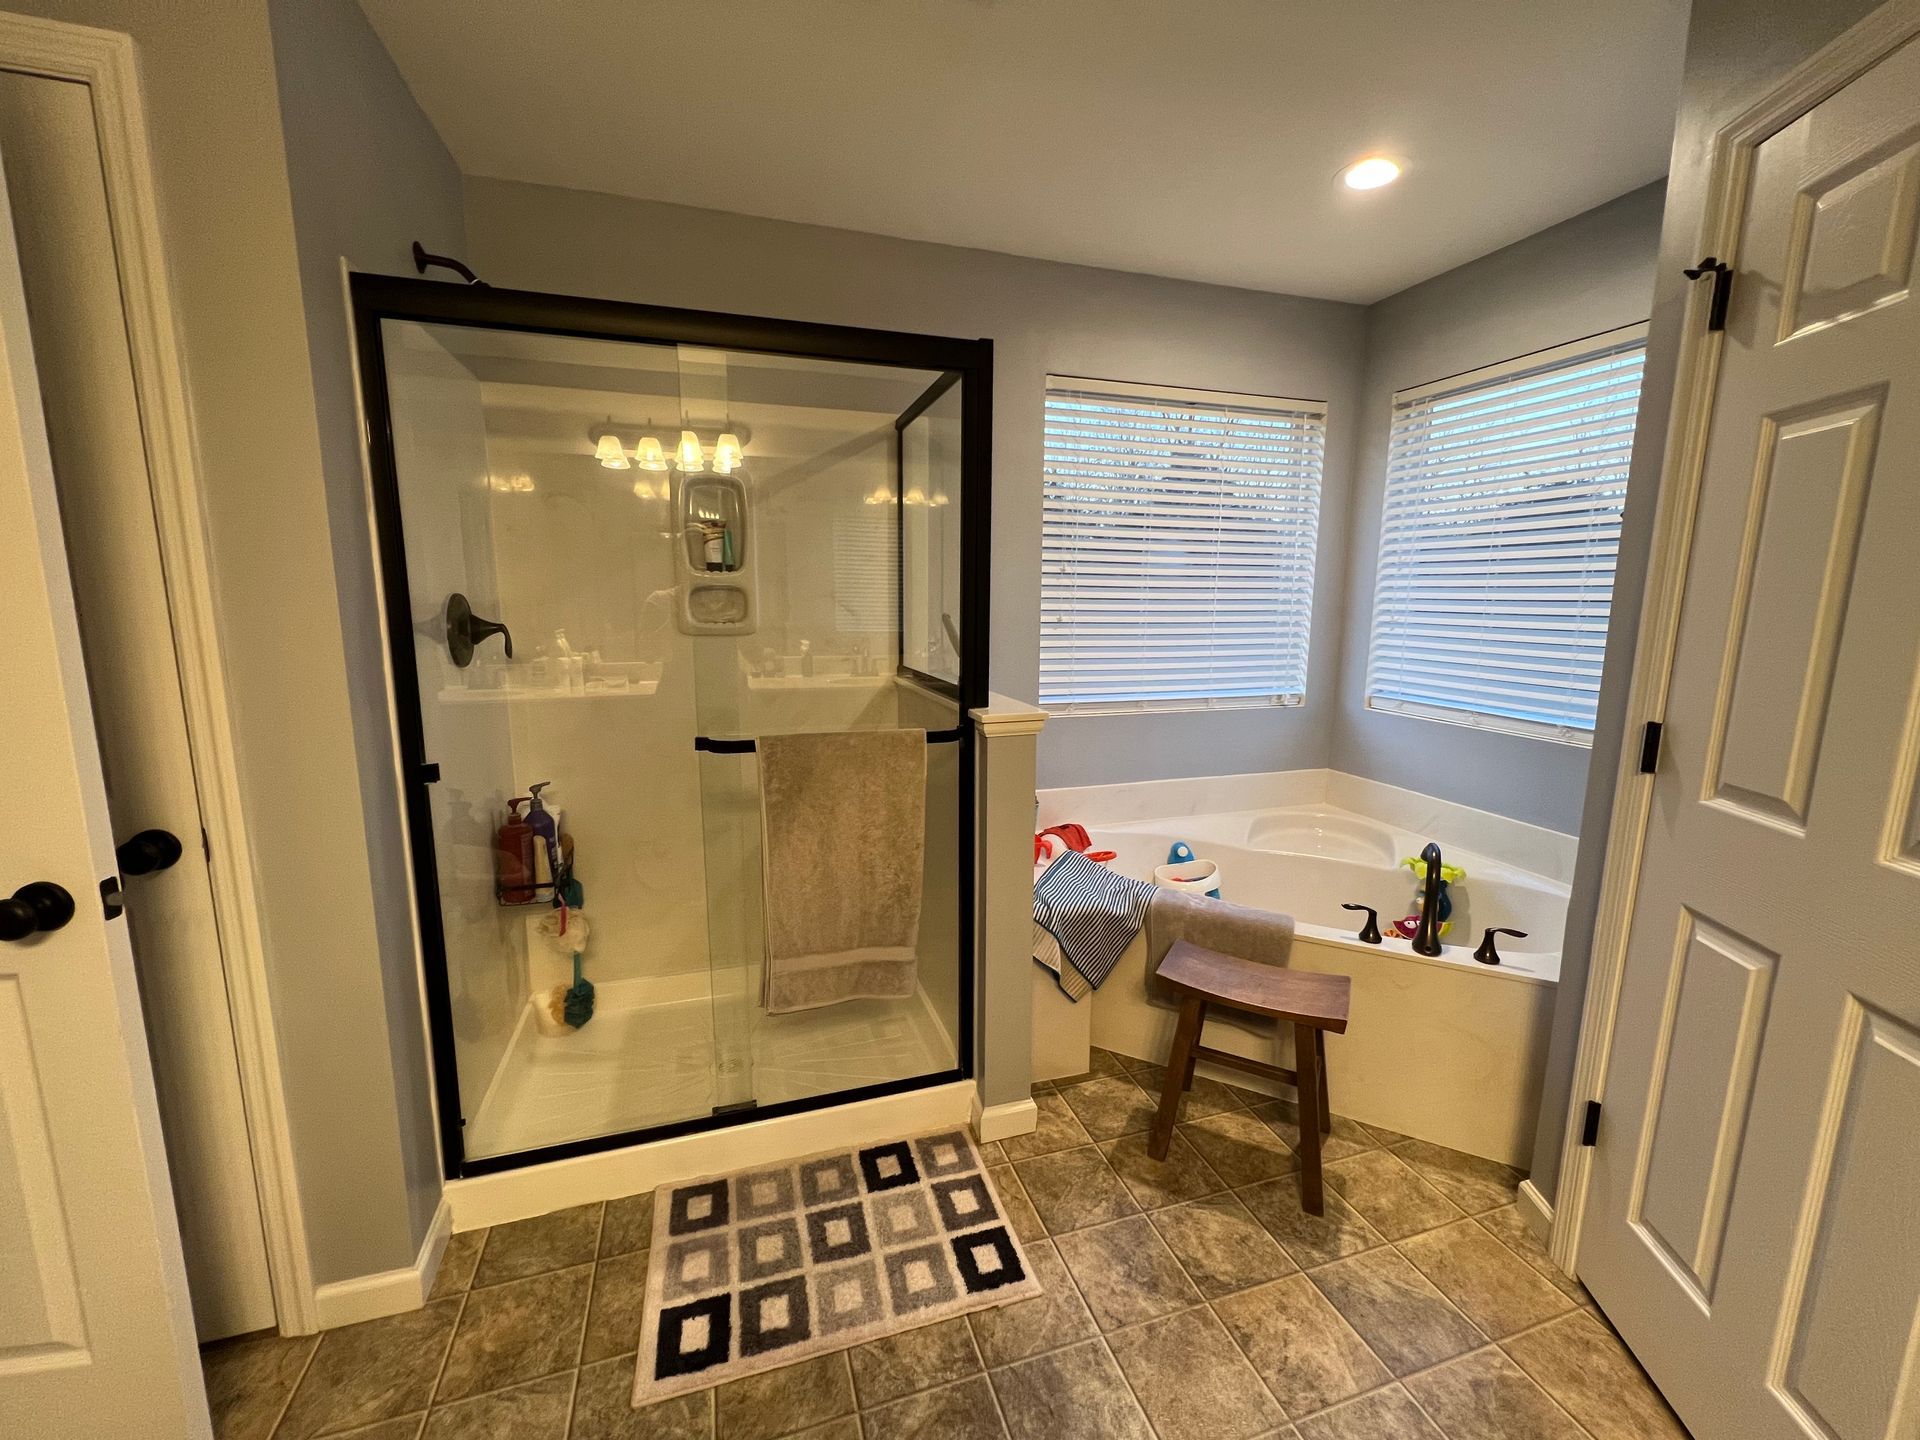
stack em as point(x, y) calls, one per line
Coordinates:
point(1498, 539)
point(1177, 547)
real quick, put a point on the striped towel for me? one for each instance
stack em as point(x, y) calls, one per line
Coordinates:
point(1084, 917)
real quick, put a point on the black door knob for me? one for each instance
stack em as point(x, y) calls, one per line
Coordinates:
point(147, 852)
point(34, 909)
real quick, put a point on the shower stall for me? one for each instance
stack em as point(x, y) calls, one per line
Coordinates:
point(620, 544)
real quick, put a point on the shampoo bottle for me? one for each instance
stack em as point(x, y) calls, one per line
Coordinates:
point(546, 837)
point(513, 857)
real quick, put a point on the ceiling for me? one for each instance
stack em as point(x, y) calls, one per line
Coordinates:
point(1193, 138)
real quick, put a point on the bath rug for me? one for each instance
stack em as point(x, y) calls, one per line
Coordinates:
point(779, 1263)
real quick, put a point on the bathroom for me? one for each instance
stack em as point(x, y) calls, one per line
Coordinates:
point(554, 443)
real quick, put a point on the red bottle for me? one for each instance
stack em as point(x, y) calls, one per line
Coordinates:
point(513, 857)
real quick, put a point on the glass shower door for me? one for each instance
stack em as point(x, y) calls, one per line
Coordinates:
point(611, 565)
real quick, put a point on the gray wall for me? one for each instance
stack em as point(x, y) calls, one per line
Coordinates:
point(1736, 49)
point(1043, 318)
point(1585, 275)
point(368, 176)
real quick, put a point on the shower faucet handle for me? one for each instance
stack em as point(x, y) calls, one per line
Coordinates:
point(1369, 932)
point(1487, 954)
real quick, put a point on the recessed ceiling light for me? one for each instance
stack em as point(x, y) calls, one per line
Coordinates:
point(1371, 173)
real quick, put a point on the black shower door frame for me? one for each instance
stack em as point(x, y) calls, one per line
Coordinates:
point(376, 298)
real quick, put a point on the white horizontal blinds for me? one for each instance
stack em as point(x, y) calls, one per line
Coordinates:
point(1498, 541)
point(1177, 547)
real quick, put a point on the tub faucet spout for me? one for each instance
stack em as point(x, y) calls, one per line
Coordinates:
point(1426, 937)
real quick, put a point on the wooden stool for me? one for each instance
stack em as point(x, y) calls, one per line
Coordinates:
point(1313, 1004)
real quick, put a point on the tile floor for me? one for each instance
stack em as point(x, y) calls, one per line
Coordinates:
point(1188, 1300)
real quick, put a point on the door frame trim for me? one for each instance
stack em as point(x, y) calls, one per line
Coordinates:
point(105, 62)
point(1822, 75)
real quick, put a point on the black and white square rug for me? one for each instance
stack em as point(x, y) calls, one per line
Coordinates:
point(779, 1263)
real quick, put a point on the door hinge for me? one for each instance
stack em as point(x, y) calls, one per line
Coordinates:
point(110, 898)
point(428, 773)
point(1722, 274)
point(1650, 748)
point(1590, 1130)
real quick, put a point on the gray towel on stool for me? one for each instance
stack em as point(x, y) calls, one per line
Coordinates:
point(1261, 935)
point(844, 835)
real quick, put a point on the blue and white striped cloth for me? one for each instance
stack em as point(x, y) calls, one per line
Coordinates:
point(1084, 917)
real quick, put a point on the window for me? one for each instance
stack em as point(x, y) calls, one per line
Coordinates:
point(1177, 547)
point(1498, 538)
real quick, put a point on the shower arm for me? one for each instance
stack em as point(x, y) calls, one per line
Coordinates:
point(424, 259)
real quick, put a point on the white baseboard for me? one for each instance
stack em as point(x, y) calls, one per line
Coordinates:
point(486, 1200)
point(1537, 1210)
point(1002, 1122)
point(391, 1292)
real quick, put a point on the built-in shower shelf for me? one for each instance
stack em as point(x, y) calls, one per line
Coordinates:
point(638, 689)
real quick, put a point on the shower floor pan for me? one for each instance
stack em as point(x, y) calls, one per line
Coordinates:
point(644, 1061)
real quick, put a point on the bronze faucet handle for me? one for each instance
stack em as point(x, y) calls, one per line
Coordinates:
point(1487, 954)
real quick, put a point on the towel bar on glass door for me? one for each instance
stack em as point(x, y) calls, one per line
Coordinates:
point(747, 747)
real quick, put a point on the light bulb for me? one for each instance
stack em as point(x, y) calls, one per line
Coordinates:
point(1370, 173)
point(727, 454)
point(648, 455)
point(609, 452)
point(689, 456)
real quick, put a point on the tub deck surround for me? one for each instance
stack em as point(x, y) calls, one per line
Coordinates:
point(1443, 1048)
point(1184, 1299)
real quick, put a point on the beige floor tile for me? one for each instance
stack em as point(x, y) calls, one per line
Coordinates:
point(1055, 1317)
point(1308, 1355)
point(1126, 1272)
point(403, 1427)
point(249, 1380)
point(1473, 1183)
point(1074, 1189)
point(1388, 1414)
point(1207, 1097)
point(1022, 1218)
point(888, 1369)
point(1109, 1105)
point(1485, 1396)
point(376, 1370)
point(1348, 1137)
point(628, 1225)
point(1408, 1323)
point(1183, 1175)
point(1494, 1287)
point(1058, 1129)
point(1192, 1380)
point(965, 1410)
point(516, 1332)
point(1509, 1226)
point(603, 1408)
point(537, 1410)
point(779, 1402)
point(1221, 1246)
point(1383, 1135)
point(546, 1242)
point(1583, 1365)
point(993, 1153)
point(615, 1312)
point(1309, 1239)
point(1072, 1394)
point(847, 1427)
point(457, 1264)
point(1241, 1149)
point(1395, 1201)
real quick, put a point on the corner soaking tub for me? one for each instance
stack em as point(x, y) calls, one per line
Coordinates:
point(1443, 1047)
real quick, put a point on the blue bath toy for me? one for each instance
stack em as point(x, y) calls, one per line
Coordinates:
point(1180, 854)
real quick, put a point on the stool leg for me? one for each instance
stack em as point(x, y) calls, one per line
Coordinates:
point(1320, 1059)
point(1178, 1063)
point(1193, 1054)
point(1307, 1067)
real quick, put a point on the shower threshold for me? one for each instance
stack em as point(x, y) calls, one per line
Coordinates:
point(644, 1061)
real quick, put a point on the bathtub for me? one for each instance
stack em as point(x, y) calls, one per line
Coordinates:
point(1443, 1047)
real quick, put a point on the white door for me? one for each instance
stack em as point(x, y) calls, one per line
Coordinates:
point(96, 1331)
point(58, 193)
point(1754, 1220)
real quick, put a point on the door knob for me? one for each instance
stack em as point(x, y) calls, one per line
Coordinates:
point(147, 852)
point(34, 909)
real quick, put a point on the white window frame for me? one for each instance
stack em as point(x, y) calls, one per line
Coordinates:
point(1057, 598)
point(1539, 361)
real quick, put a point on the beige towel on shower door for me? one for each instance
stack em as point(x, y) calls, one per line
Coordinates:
point(844, 835)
